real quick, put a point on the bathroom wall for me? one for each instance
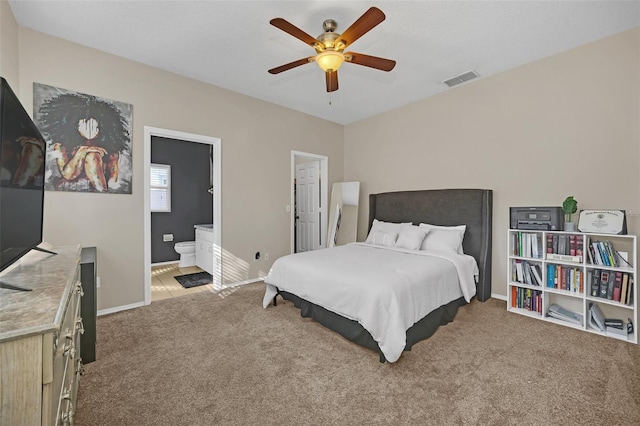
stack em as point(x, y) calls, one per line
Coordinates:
point(190, 202)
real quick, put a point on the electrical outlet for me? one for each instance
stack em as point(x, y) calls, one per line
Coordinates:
point(167, 237)
point(266, 256)
point(98, 282)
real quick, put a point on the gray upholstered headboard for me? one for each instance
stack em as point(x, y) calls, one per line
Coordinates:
point(447, 207)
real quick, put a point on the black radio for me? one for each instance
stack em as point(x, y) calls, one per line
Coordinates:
point(536, 218)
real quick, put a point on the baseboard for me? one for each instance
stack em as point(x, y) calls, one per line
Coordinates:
point(245, 282)
point(169, 262)
point(499, 296)
point(120, 308)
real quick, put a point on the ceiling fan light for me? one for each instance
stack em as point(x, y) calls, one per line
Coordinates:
point(329, 60)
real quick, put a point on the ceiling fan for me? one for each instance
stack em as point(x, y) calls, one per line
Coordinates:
point(330, 46)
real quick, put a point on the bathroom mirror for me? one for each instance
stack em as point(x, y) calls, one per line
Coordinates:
point(343, 213)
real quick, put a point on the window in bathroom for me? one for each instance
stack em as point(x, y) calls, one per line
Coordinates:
point(160, 190)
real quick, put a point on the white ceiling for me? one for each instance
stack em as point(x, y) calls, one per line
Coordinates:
point(232, 45)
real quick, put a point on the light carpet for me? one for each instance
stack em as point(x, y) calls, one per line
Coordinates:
point(221, 359)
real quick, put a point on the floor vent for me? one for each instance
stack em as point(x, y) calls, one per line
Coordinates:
point(461, 78)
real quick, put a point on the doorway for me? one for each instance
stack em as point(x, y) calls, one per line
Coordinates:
point(309, 196)
point(215, 150)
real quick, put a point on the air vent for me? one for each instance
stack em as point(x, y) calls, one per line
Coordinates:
point(461, 78)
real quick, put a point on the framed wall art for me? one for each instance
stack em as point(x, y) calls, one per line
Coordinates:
point(88, 140)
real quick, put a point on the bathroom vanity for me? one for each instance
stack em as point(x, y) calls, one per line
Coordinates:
point(204, 247)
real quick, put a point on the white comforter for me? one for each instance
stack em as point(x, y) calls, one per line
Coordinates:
point(386, 290)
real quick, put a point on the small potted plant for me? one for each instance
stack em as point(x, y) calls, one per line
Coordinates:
point(569, 207)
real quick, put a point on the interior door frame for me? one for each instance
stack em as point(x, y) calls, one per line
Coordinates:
point(149, 132)
point(324, 197)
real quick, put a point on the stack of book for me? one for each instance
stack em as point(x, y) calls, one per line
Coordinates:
point(526, 272)
point(565, 278)
point(611, 285)
point(558, 312)
point(567, 248)
point(526, 298)
point(602, 253)
point(527, 244)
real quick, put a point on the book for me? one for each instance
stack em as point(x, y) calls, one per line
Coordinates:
point(572, 245)
point(595, 283)
point(589, 251)
point(611, 253)
point(557, 311)
point(596, 318)
point(564, 257)
point(579, 281)
point(623, 289)
point(519, 271)
point(549, 243)
point(602, 253)
point(630, 291)
point(562, 244)
point(596, 253)
point(579, 245)
point(604, 283)
point(534, 246)
point(551, 271)
point(555, 243)
point(617, 286)
point(527, 273)
point(537, 274)
point(614, 322)
point(610, 285)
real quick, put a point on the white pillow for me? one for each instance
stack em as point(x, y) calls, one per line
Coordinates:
point(411, 237)
point(443, 237)
point(379, 225)
point(381, 238)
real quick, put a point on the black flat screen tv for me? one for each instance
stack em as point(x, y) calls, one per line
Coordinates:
point(21, 180)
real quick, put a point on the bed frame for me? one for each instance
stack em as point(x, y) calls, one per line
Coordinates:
point(447, 207)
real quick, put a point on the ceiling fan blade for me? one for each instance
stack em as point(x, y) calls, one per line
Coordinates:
point(289, 28)
point(285, 67)
point(366, 22)
point(369, 61)
point(332, 80)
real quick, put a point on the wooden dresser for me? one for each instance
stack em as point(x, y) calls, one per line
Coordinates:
point(40, 332)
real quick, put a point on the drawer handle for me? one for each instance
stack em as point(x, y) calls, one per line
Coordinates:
point(79, 367)
point(67, 417)
point(69, 350)
point(79, 326)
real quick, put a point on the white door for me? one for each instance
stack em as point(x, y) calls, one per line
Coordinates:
point(308, 208)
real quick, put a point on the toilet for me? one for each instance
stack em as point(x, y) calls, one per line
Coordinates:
point(187, 251)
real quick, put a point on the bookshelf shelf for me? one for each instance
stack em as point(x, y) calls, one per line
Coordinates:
point(548, 271)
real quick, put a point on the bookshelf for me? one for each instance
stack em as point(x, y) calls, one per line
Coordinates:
point(551, 273)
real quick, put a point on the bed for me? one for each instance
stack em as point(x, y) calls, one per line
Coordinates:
point(394, 327)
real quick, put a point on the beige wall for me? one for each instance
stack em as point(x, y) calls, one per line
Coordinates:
point(257, 139)
point(8, 46)
point(563, 125)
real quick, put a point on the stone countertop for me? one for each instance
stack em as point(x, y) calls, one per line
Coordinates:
point(51, 278)
point(206, 227)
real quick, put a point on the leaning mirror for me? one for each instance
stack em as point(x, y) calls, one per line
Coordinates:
point(343, 213)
